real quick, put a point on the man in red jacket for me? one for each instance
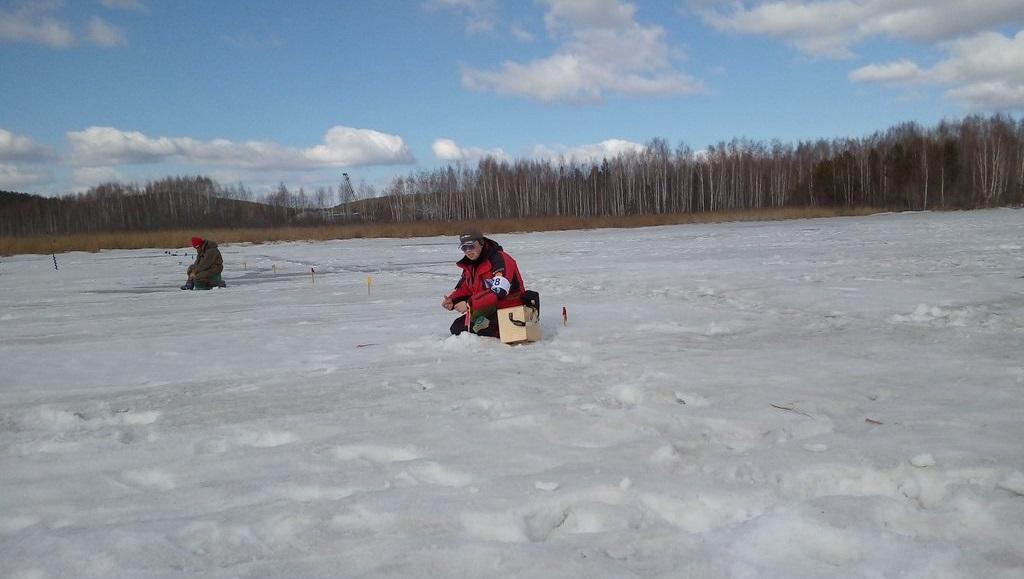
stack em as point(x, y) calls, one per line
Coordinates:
point(490, 281)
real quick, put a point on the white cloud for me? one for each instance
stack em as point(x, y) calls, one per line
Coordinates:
point(901, 71)
point(35, 23)
point(13, 178)
point(342, 147)
point(86, 177)
point(480, 15)
point(830, 28)
point(102, 33)
point(588, 14)
point(520, 33)
point(595, 152)
point(449, 150)
point(345, 146)
point(939, 20)
point(990, 96)
point(96, 146)
point(984, 57)
point(984, 72)
point(603, 49)
point(28, 25)
point(21, 148)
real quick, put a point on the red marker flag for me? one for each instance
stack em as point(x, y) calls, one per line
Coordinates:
point(565, 316)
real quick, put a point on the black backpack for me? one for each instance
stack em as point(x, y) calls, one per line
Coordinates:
point(531, 299)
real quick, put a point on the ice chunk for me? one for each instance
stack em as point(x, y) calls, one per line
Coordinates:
point(923, 460)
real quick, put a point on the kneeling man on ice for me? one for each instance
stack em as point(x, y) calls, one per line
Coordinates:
point(491, 295)
point(205, 273)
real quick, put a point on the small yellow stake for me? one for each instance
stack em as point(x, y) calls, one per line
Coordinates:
point(369, 282)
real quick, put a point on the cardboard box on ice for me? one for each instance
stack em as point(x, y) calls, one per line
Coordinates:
point(518, 324)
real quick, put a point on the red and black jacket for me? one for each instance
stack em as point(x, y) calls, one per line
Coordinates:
point(475, 285)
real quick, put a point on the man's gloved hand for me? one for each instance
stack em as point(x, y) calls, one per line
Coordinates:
point(480, 323)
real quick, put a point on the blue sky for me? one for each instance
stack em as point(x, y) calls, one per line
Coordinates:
point(262, 92)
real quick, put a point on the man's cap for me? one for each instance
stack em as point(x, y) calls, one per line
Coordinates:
point(197, 241)
point(470, 235)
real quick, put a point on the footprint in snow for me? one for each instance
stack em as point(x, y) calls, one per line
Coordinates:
point(432, 473)
point(151, 478)
point(623, 396)
point(313, 493)
point(694, 400)
point(599, 510)
point(244, 438)
point(481, 407)
point(702, 512)
point(375, 453)
point(10, 525)
point(265, 438)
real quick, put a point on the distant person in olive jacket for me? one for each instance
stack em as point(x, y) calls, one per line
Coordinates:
point(205, 273)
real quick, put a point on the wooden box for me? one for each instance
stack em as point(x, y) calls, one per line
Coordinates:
point(518, 324)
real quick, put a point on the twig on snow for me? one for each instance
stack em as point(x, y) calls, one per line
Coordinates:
point(792, 409)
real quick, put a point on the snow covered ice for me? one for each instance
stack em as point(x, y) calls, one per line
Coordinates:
point(812, 398)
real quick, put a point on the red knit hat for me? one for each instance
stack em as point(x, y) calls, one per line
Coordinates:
point(196, 242)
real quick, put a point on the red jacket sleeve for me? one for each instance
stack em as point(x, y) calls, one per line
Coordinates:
point(461, 291)
point(483, 300)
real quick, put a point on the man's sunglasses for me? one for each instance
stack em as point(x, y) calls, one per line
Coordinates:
point(467, 246)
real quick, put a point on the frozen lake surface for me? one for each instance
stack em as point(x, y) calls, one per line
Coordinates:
point(811, 398)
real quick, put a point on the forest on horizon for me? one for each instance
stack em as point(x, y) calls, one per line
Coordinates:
point(969, 163)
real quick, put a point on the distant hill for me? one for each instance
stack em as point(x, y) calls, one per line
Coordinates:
point(26, 215)
point(12, 197)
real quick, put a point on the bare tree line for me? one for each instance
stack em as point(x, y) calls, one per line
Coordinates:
point(170, 203)
point(974, 162)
